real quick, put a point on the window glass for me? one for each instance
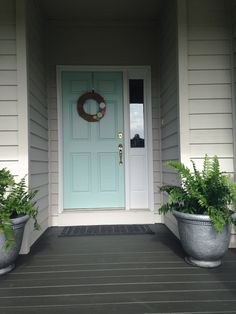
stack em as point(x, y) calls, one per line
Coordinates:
point(136, 100)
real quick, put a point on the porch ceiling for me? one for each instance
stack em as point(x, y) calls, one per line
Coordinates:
point(102, 10)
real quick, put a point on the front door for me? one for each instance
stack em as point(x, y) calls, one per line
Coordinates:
point(93, 174)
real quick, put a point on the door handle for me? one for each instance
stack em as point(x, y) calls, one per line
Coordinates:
point(120, 149)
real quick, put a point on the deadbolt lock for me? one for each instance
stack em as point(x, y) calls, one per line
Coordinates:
point(120, 135)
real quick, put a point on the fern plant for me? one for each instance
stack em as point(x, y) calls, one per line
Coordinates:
point(210, 192)
point(16, 199)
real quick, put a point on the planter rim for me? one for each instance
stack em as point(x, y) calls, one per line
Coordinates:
point(20, 219)
point(191, 216)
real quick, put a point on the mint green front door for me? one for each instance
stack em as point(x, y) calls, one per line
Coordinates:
point(93, 177)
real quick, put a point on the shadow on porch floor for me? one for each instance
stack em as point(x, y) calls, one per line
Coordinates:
point(116, 274)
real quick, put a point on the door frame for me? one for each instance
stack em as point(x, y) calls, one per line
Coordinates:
point(129, 72)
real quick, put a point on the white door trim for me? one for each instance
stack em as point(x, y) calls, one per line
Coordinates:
point(129, 72)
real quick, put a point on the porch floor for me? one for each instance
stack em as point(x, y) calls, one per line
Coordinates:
point(116, 274)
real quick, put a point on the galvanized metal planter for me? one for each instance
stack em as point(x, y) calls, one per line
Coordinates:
point(203, 244)
point(8, 256)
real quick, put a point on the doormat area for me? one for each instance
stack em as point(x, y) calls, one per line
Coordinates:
point(77, 231)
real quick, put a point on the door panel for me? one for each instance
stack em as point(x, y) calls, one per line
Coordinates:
point(93, 177)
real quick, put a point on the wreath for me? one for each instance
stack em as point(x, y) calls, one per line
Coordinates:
point(91, 117)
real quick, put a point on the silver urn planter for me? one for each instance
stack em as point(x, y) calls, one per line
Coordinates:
point(9, 255)
point(203, 244)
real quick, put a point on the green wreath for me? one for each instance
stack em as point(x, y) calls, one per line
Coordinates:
point(91, 117)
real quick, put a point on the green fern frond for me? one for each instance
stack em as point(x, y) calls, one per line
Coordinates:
point(183, 171)
point(206, 167)
point(216, 167)
point(209, 192)
point(164, 209)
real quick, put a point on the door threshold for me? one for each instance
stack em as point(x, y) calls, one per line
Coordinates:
point(113, 209)
point(67, 210)
point(104, 217)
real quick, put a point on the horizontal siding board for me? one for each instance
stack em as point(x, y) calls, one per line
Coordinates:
point(209, 62)
point(8, 123)
point(8, 153)
point(215, 136)
point(210, 91)
point(7, 31)
point(38, 130)
point(42, 216)
point(170, 141)
point(208, 18)
point(35, 67)
point(7, 17)
point(210, 5)
point(7, 77)
point(7, 13)
point(208, 32)
point(210, 106)
point(13, 166)
point(39, 167)
point(40, 95)
point(7, 47)
point(168, 89)
point(169, 178)
point(170, 129)
point(8, 93)
point(221, 150)
point(170, 104)
point(170, 153)
point(43, 203)
point(170, 116)
point(167, 79)
point(8, 108)
point(38, 106)
point(38, 155)
point(210, 47)
point(37, 117)
point(39, 180)
point(8, 138)
point(42, 192)
point(8, 5)
point(8, 62)
point(226, 164)
point(39, 142)
point(208, 121)
point(209, 76)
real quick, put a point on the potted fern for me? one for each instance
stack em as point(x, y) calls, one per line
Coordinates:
point(16, 207)
point(203, 205)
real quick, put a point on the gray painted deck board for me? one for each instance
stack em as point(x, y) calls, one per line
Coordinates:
point(116, 274)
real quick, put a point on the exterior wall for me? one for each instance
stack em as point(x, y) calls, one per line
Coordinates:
point(70, 43)
point(169, 96)
point(38, 115)
point(206, 104)
point(8, 87)
point(210, 81)
point(15, 79)
point(210, 113)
